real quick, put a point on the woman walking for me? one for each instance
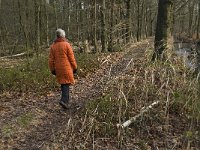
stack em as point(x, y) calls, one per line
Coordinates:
point(63, 65)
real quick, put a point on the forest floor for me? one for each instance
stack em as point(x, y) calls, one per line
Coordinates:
point(31, 122)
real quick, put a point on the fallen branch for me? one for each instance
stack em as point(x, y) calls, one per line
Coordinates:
point(17, 55)
point(133, 119)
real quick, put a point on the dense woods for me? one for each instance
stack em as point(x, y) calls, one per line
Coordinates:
point(136, 86)
point(106, 22)
point(102, 24)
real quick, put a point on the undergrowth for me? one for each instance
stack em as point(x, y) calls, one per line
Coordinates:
point(33, 75)
point(173, 124)
point(171, 83)
point(87, 63)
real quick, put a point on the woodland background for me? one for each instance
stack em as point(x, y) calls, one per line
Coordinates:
point(31, 24)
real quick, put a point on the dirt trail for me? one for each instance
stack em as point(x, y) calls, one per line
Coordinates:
point(51, 120)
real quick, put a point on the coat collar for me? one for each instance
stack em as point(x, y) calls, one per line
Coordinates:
point(60, 40)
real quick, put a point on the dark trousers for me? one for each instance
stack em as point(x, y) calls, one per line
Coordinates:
point(65, 93)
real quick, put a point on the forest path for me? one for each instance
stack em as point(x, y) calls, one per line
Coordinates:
point(48, 122)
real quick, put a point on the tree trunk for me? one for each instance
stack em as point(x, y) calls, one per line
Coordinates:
point(151, 22)
point(37, 27)
point(128, 21)
point(1, 37)
point(95, 26)
point(146, 22)
point(103, 26)
point(65, 8)
point(163, 27)
point(198, 56)
point(138, 20)
point(88, 24)
point(55, 13)
point(47, 24)
point(40, 21)
point(191, 14)
point(68, 18)
point(110, 42)
point(141, 20)
point(27, 28)
point(198, 24)
point(23, 25)
point(81, 18)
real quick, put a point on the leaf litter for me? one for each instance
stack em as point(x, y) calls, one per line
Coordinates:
point(44, 125)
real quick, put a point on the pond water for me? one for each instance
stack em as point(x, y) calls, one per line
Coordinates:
point(186, 52)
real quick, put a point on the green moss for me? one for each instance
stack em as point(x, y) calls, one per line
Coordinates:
point(7, 131)
point(25, 120)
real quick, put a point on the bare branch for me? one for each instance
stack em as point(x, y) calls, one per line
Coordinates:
point(183, 5)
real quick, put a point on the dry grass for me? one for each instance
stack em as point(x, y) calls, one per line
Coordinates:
point(173, 124)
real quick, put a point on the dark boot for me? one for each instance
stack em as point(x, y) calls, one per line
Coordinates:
point(64, 105)
point(64, 102)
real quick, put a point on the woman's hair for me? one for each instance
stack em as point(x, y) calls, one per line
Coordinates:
point(60, 33)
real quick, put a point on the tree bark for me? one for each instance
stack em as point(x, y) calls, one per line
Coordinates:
point(198, 24)
point(128, 21)
point(110, 42)
point(40, 21)
point(191, 14)
point(68, 18)
point(47, 24)
point(95, 26)
point(77, 22)
point(88, 23)
point(141, 20)
point(55, 13)
point(163, 27)
point(198, 56)
point(146, 22)
point(1, 38)
point(138, 20)
point(37, 26)
point(22, 24)
point(103, 26)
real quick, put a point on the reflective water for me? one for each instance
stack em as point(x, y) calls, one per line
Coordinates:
point(186, 52)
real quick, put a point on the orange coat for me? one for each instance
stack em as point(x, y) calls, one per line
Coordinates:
point(62, 61)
